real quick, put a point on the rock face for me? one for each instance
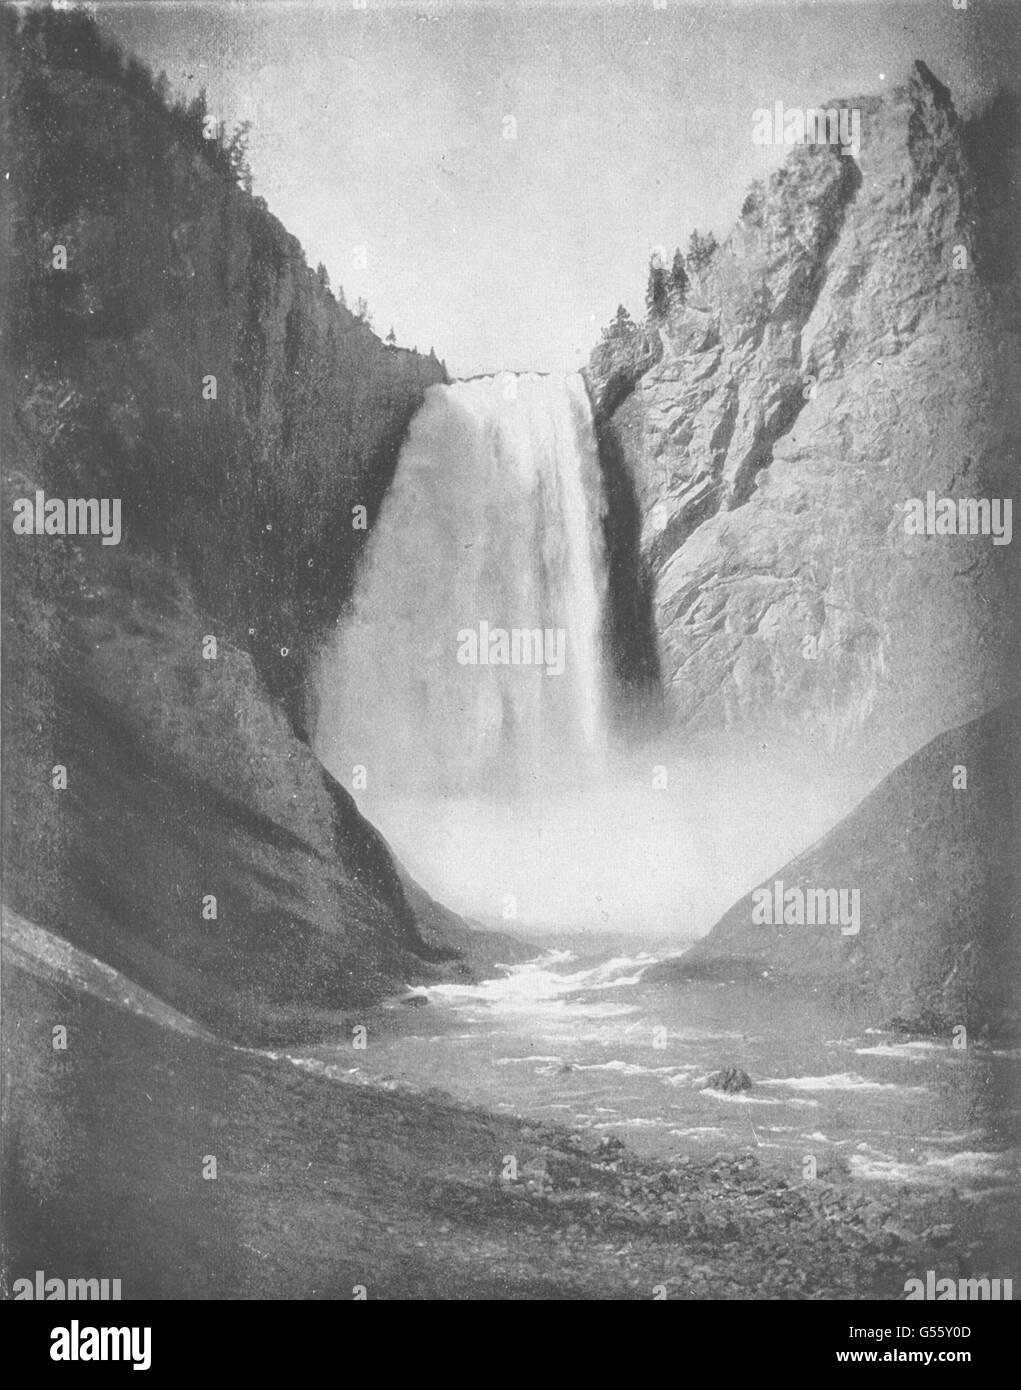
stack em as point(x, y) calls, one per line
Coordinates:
point(853, 344)
point(730, 1079)
point(937, 870)
point(187, 776)
point(187, 360)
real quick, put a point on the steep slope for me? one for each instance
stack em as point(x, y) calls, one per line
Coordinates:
point(187, 360)
point(854, 343)
point(187, 772)
point(938, 870)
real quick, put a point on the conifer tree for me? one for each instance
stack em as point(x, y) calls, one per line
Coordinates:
point(657, 291)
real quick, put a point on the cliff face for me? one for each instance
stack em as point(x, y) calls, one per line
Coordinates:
point(936, 868)
point(835, 357)
point(187, 774)
point(174, 277)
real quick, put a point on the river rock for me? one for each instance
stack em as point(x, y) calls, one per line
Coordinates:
point(729, 1079)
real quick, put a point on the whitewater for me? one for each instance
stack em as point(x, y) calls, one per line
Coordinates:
point(581, 1038)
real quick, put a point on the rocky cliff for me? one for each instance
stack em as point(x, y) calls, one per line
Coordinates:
point(933, 856)
point(168, 346)
point(851, 345)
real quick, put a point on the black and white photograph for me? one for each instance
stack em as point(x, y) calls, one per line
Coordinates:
point(511, 725)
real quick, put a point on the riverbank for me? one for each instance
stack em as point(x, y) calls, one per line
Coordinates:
point(324, 1187)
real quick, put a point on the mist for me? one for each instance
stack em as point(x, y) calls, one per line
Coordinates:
point(659, 864)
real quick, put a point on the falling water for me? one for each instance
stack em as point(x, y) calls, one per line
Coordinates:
point(497, 784)
point(489, 536)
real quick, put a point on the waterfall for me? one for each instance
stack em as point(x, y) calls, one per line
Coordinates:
point(471, 661)
point(478, 744)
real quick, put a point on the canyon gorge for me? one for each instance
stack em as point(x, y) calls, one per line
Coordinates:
point(298, 781)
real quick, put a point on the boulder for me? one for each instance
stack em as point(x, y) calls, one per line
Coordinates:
point(729, 1079)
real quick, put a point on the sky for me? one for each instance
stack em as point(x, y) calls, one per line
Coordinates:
point(380, 137)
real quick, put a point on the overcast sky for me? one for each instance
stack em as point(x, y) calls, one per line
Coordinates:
point(385, 128)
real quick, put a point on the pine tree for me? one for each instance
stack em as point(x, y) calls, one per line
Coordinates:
point(622, 327)
point(195, 115)
point(391, 337)
point(657, 292)
point(701, 250)
point(678, 278)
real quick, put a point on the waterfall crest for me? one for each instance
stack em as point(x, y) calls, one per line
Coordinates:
point(471, 662)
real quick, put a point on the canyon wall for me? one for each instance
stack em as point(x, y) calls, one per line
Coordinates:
point(851, 345)
point(188, 777)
